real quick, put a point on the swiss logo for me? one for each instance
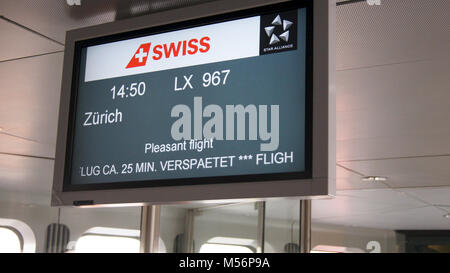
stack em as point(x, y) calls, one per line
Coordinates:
point(278, 32)
point(140, 57)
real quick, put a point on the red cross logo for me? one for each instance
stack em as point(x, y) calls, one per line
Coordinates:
point(140, 57)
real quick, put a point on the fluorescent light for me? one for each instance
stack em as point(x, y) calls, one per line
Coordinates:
point(380, 178)
point(374, 178)
point(368, 178)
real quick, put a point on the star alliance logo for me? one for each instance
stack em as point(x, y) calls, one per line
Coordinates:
point(270, 30)
point(278, 32)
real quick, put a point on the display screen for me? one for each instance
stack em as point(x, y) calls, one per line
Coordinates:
point(215, 100)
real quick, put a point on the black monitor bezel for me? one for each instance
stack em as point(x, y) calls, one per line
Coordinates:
point(268, 9)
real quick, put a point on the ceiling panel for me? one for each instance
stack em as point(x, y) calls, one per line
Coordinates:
point(378, 208)
point(407, 172)
point(391, 147)
point(21, 174)
point(436, 196)
point(396, 31)
point(393, 111)
point(54, 17)
point(421, 218)
point(384, 209)
point(29, 96)
point(358, 202)
point(11, 144)
point(16, 42)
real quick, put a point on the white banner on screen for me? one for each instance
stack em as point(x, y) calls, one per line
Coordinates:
point(200, 45)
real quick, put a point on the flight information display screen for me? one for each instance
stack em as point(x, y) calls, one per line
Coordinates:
point(215, 100)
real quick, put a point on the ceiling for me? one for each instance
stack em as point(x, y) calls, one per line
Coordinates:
point(393, 67)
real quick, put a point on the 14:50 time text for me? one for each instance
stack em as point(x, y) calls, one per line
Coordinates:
point(125, 91)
